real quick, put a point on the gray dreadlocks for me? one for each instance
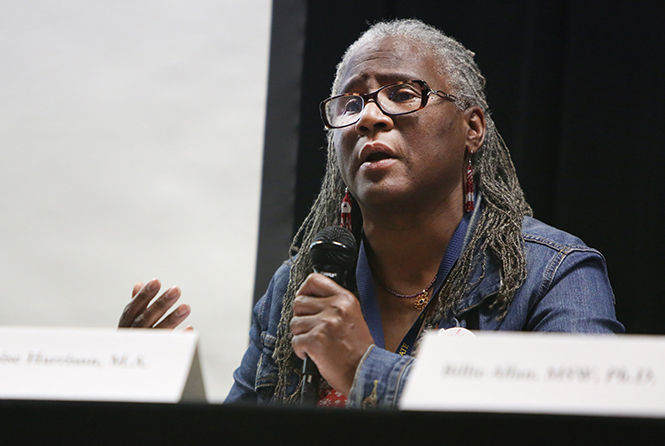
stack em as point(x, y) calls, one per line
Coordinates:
point(498, 232)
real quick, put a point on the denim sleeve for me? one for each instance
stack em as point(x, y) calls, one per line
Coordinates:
point(245, 375)
point(575, 296)
point(380, 379)
point(247, 383)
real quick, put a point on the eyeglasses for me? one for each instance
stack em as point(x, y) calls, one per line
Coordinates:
point(396, 99)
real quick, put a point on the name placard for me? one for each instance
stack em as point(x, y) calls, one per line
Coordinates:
point(99, 365)
point(539, 373)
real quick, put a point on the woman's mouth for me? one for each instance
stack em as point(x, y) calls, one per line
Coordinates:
point(376, 158)
point(376, 153)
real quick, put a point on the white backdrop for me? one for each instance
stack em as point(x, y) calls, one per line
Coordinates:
point(130, 147)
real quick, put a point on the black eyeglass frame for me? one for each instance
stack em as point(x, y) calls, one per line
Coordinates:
point(365, 97)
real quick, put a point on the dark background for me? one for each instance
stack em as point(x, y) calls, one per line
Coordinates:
point(575, 88)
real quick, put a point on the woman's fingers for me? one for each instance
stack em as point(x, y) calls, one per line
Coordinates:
point(136, 289)
point(302, 324)
point(140, 313)
point(175, 318)
point(157, 309)
point(139, 303)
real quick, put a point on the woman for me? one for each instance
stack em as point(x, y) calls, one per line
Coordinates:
point(446, 238)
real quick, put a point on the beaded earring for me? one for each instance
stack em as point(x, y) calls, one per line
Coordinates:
point(468, 187)
point(345, 211)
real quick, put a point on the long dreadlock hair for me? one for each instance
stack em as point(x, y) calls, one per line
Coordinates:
point(498, 231)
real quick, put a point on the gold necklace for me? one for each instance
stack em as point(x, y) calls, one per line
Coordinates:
point(422, 297)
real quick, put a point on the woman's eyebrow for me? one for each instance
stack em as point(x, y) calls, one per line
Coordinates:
point(383, 78)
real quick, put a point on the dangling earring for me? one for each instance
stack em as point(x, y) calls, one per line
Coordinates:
point(468, 187)
point(345, 211)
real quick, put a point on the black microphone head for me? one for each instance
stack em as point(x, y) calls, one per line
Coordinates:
point(334, 251)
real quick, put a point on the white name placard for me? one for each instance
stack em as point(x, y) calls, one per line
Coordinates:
point(99, 365)
point(539, 373)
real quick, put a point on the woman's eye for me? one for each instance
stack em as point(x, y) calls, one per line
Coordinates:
point(403, 94)
point(353, 107)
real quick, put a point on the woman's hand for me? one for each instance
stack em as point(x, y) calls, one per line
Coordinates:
point(329, 327)
point(138, 314)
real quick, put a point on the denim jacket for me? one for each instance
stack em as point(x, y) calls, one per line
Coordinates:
point(566, 290)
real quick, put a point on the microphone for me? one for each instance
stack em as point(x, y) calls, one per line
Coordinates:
point(334, 254)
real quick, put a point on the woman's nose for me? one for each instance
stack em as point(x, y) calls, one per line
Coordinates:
point(372, 119)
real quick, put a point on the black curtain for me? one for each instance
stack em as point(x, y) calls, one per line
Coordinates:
point(576, 90)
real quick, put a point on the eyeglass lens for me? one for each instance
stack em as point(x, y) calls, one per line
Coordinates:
point(394, 99)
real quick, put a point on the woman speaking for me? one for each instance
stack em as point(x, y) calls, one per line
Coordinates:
point(417, 170)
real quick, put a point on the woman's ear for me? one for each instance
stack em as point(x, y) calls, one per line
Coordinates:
point(474, 117)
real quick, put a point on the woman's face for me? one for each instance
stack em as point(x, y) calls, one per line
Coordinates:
point(409, 160)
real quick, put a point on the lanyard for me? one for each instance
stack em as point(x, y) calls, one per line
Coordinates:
point(367, 294)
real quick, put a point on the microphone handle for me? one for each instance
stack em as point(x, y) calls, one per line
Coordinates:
point(309, 394)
